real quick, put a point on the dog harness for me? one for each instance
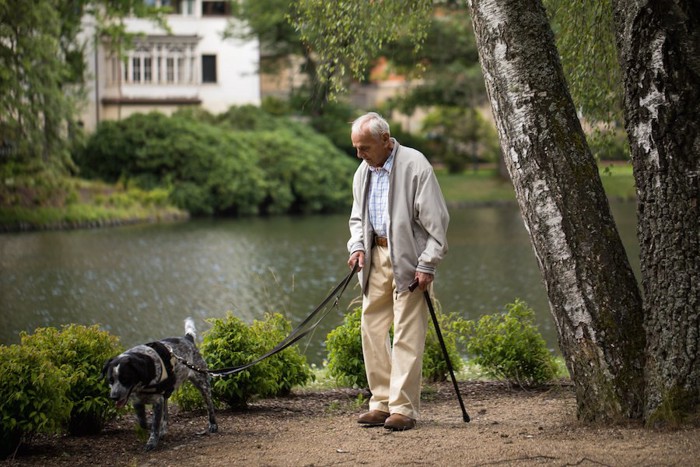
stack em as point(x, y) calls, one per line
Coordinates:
point(165, 382)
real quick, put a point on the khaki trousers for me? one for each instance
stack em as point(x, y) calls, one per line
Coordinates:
point(394, 372)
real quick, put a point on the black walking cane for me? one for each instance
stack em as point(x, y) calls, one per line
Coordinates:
point(412, 286)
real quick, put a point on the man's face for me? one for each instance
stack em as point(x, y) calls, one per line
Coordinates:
point(375, 151)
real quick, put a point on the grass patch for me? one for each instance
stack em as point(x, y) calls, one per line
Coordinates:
point(480, 187)
point(486, 187)
point(618, 181)
point(18, 218)
point(44, 201)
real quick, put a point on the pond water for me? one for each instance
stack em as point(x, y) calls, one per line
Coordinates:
point(141, 282)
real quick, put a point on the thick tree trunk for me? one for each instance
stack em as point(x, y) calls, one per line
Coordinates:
point(592, 291)
point(659, 49)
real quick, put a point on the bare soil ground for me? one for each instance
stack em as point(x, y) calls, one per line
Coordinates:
point(318, 428)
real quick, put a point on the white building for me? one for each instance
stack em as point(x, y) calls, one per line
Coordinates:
point(193, 65)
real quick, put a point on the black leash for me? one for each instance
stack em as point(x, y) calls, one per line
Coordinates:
point(412, 286)
point(298, 333)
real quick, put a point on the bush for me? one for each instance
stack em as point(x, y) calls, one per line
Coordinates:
point(434, 363)
point(460, 136)
point(250, 118)
point(242, 162)
point(609, 145)
point(33, 396)
point(346, 362)
point(231, 343)
point(286, 369)
point(509, 345)
point(301, 177)
point(80, 352)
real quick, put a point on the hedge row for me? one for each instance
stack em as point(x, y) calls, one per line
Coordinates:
point(241, 162)
point(52, 381)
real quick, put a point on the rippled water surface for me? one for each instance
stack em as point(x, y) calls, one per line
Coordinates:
point(140, 282)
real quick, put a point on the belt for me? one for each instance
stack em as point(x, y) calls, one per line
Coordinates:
point(381, 241)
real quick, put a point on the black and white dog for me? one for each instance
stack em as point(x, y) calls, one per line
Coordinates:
point(149, 373)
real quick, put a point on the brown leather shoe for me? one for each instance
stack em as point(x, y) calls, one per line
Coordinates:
point(398, 422)
point(373, 418)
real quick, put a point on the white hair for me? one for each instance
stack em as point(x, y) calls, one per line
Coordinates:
point(373, 122)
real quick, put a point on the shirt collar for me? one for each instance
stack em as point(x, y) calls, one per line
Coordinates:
point(389, 163)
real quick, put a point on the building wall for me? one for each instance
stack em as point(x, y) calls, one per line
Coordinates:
point(116, 90)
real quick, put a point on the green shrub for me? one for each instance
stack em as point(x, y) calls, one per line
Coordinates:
point(285, 369)
point(250, 118)
point(459, 136)
point(192, 197)
point(231, 343)
point(346, 362)
point(609, 145)
point(276, 106)
point(80, 352)
point(244, 161)
point(434, 363)
point(296, 179)
point(509, 345)
point(33, 396)
point(188, 398)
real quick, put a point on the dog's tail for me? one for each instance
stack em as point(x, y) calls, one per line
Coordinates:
point(190, 330)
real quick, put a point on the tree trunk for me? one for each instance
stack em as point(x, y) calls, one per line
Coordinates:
point(659, 49)
point(592, 292)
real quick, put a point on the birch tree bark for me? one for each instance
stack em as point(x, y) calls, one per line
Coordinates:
point(592, 292)
point(659, 50)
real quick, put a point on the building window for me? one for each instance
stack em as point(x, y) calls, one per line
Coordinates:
point(170, 70)
point(215, 8)
point(136, 69)
point(147, 70)
point(179, 7)
point(181, 78)
point(208, 68)
point(160, 60)
point(161, 3)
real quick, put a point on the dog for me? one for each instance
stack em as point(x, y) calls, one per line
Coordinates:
point(150, 373)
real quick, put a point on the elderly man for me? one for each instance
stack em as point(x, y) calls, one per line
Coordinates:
point(398, 228)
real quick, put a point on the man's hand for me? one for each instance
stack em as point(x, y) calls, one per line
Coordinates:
point(359, 257)
point(424, 280)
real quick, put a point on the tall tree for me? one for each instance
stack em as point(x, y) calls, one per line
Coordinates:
point(346, 36)
point(32, 104)
point(585, 37)
point(659, 50)
point(603, 325)
point(450, 75)
point(268, 21)
point(592, 291)
point(450, 86)
point(274, 24)
point(42, 71)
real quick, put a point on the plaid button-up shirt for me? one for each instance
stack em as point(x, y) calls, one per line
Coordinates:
point(379, 197)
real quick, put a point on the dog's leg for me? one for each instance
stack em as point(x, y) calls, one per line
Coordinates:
point(155, 426)
point(164, 425)
point(201, 382)
point(141, 415)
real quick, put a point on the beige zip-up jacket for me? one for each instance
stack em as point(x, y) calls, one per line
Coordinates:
point(418, 217)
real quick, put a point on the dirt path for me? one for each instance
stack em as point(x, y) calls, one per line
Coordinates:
point(508, 427)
